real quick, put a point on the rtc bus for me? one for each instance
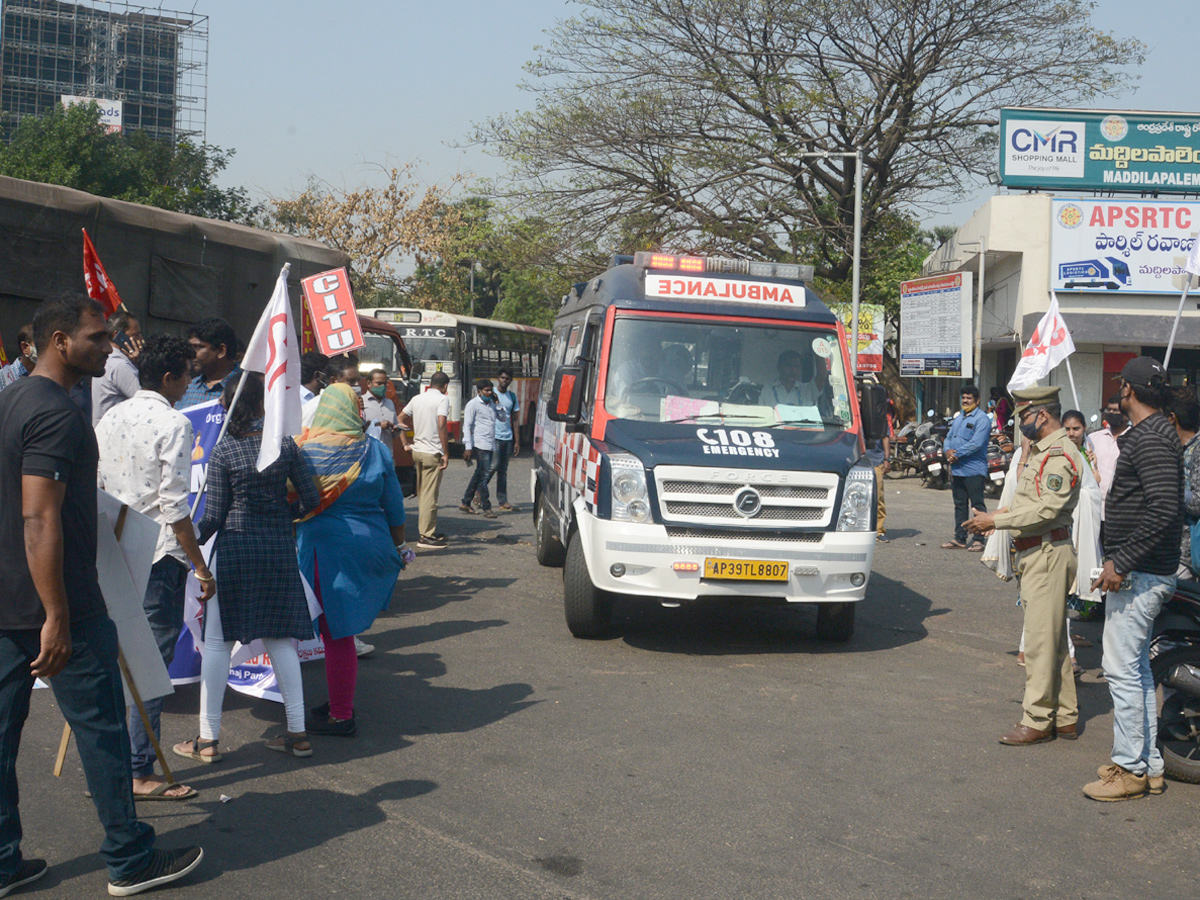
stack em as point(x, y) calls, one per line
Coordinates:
point(465, 348)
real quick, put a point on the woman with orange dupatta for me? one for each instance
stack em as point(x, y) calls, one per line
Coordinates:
point(350, 546)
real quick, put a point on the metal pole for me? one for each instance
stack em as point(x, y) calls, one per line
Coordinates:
point(979, 314)
point(858, 179)
point(1178, 315)
point(1071, 378)
point(472, 287)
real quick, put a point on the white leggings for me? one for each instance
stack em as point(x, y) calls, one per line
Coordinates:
point(214, 675)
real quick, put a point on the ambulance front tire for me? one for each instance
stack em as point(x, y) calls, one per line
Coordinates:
point(835, 621)
point(549, 550)
point(588, 609)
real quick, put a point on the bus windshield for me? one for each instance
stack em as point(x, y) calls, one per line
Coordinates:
point(434, 349)
point(379, 352)
point(771, 376)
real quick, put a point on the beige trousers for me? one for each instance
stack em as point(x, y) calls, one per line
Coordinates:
point(1046, 574)
point(881, 511)
point(429, 481)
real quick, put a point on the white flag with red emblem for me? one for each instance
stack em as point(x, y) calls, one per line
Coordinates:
point(1051, 344)
point(274, 350)
point(1193, 260)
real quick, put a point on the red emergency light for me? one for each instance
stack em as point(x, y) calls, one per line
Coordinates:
point(669, 261)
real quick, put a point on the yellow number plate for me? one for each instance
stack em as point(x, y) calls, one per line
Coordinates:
point(745, 569)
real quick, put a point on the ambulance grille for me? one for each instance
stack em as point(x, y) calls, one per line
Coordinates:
point(733, 534)
point(696, 495)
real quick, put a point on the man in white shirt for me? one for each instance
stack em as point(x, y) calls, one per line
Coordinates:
point(788, 389)
point(426, 414)
point(379, 410)
point(120, 379)
point(146, 462)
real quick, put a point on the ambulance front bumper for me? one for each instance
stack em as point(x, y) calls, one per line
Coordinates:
point(648, 560)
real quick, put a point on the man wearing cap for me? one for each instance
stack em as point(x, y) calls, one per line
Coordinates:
point(1143, 521)
point(1040, 519)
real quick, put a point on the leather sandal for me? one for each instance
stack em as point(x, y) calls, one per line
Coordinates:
point(197, 744)
point(953, 545)
point(287, 744)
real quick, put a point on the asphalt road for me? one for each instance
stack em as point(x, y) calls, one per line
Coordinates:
point(712, 752)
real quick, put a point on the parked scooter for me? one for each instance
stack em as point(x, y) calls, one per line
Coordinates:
point(935, 471)
point(1000, 454)
point(1175, 664)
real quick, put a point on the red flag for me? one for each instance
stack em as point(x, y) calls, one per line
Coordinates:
point(96, 279)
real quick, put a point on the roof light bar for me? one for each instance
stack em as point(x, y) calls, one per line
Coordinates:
point(672, 262)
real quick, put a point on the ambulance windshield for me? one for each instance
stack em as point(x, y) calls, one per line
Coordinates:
point(670, 371)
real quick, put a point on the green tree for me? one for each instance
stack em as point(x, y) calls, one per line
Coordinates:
point(701, 124)
point(70, 147)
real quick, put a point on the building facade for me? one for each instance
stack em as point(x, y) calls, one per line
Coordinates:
point(146, 66)
point(1115, 265)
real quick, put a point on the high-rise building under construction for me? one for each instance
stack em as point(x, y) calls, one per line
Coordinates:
point(145, 66)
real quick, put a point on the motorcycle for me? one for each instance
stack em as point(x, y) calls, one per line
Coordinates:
point(1175, 665)
point(904, 455)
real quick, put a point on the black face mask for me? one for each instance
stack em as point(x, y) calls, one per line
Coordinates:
point(1030, 429)
point(1116, 421)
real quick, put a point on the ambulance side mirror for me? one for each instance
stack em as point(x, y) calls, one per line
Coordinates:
point(566, 398)
point(873, 406)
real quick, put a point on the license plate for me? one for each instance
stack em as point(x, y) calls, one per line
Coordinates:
point(745, 569)
point(997, 476)
point(935, 468)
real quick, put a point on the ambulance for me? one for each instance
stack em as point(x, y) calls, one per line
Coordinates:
point(699, 435)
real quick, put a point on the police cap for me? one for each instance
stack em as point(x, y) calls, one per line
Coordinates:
point(1034, 396)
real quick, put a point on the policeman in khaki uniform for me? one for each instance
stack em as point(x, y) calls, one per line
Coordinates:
point(1040, 520)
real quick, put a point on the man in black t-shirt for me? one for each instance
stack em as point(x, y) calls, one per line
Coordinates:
point(53, 621)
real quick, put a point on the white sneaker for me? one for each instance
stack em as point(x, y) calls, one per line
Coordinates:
point(362, 648)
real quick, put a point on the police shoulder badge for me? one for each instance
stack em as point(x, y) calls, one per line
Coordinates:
point(1054, 482)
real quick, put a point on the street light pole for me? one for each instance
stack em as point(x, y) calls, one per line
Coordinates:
point(982, 245)
point(856, 278)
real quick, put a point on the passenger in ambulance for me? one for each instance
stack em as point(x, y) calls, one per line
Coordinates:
point(790, 389)
point(675, 368)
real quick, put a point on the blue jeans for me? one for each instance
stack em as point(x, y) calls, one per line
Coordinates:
point(1128, 620)
point(164, 608)
point(90, 696)
point(479, 480)
point(500, 457)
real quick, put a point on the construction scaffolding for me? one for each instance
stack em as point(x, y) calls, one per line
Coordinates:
point(154, 61)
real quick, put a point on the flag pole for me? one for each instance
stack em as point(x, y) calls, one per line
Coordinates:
point(287, 267)
point(1187, 283)
point(1071, 378)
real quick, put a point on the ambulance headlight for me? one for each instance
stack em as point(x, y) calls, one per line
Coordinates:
point(857, 500)
point(630, 502)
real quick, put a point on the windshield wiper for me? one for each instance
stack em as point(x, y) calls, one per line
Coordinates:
point(836, 421)
point(722, 416)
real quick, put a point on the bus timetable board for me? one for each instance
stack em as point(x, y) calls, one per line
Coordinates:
point(935, 327)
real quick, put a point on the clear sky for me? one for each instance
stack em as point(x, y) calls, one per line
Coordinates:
point(318, 87)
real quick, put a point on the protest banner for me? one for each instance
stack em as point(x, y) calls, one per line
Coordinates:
point(332, 312)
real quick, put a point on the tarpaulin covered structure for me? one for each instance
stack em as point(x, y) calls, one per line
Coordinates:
point(172, 269)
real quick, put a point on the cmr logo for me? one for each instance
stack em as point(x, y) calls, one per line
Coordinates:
point(1043, 149)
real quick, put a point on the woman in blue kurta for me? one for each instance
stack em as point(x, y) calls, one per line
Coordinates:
point(351, 546)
